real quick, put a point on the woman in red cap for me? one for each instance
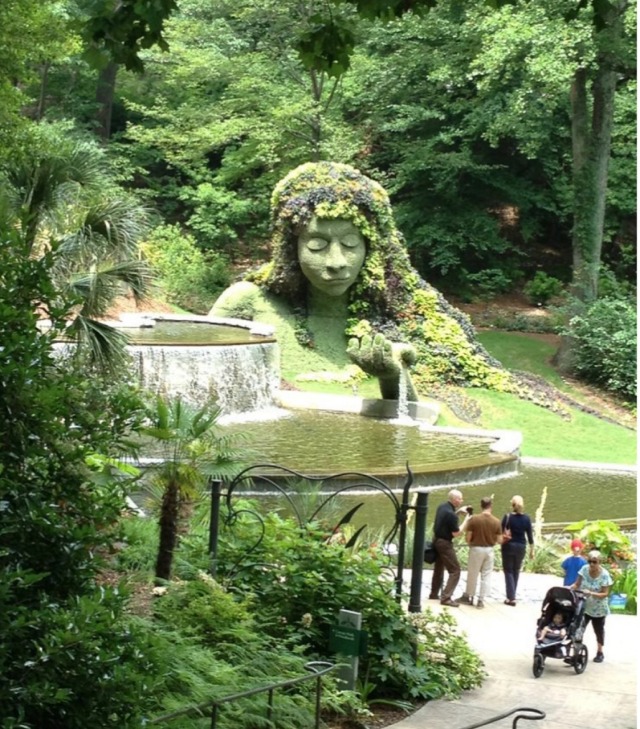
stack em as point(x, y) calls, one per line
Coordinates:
point(571, 565)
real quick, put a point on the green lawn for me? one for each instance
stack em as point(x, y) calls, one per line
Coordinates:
point(547, 435)
point(518, 351)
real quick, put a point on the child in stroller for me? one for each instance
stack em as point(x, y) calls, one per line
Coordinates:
point(553, 632)
point(559, 630)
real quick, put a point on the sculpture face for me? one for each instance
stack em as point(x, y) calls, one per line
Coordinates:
point(331, 254)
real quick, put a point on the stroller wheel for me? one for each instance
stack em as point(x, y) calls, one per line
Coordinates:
point(538, 665)
point(581, 658)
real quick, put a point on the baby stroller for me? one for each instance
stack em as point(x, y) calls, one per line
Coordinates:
point(571, 649)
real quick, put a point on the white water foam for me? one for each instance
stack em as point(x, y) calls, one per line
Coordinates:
point(240, 378)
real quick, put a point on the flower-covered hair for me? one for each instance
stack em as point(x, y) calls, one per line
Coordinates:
point(332, 190)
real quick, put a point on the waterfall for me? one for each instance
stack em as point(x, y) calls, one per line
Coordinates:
point(402, 413)
point(403, 402)
point(240, 378)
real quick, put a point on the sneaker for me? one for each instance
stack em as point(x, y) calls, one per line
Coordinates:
point(599, 657)
point(450, 603)
point(480, 605)
point(466, 599)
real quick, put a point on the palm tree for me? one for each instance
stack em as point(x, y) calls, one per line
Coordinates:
point(60, 194)
point(191, 452)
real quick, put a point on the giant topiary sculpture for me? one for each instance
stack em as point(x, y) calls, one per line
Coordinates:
point(340, 285)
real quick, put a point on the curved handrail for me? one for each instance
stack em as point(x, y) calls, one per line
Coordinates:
point(536, 715)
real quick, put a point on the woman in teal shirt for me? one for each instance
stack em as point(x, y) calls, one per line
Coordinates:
point(594, 580)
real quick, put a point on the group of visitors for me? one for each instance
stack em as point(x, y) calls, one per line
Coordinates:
point(483, 531)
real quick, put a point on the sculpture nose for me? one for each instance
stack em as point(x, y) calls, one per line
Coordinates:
point(335, 256)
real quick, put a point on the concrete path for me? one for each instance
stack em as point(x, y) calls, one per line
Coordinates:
point(603, 697)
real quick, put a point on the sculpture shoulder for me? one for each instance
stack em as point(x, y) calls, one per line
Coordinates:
point(242, 300)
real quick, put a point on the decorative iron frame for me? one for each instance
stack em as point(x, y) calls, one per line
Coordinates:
point(533, 715)
point(270, 474)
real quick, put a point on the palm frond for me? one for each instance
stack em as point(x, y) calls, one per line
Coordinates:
point(98, 285)
point(99, 344)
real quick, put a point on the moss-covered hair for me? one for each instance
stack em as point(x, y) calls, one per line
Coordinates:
point(332, 190)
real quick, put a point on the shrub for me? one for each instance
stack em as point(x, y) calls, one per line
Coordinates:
point(542, 288)
point(72, 664)
point(301, 579)
point(489, 283)
point(190, 278)
point(218, 215)
point(605, 347)
point(606, 537)
point(203, 612)
point(66, 657)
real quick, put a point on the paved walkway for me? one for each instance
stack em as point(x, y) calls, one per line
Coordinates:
point(603, 697)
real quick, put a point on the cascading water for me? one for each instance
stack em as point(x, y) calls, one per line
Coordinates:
point(240, 378)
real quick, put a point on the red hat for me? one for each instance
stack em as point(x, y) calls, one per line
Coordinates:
point(577, 544)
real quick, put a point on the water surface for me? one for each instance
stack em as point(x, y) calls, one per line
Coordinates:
point(191, 333)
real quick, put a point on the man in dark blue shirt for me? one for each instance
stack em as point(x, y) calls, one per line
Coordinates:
point(445, 529)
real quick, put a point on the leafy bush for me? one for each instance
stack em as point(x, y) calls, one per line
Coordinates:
point(542, 288)
point(606, 537)
point(69, 663)
point(302, 580)
point(202, 611)
point(66, 658)
point(218, 215)
point(190, 278)
point(610, 287)
point(489, 283)
point(605, 351)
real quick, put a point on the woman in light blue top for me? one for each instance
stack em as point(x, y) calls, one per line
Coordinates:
point(594, 580)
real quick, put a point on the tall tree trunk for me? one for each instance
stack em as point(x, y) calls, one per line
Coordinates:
point(168, 531)
point(104, 97)
point(591, 148)
point(43, 90)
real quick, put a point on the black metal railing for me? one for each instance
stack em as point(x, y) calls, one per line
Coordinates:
point(317, 669)
point(532, 715)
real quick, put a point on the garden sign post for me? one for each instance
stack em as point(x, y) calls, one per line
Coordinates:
point(347, 640)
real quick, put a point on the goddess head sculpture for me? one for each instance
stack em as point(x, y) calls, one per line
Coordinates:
point(334, 227)
point(334, 231)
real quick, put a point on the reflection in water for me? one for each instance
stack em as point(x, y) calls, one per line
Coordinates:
point(332, 443)
point(335, 443)
point(191, 333)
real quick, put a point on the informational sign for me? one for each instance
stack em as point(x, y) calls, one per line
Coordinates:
point(348, 641)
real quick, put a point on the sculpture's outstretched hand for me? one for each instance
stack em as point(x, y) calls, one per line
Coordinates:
point(379, 357)
point(386, 360)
